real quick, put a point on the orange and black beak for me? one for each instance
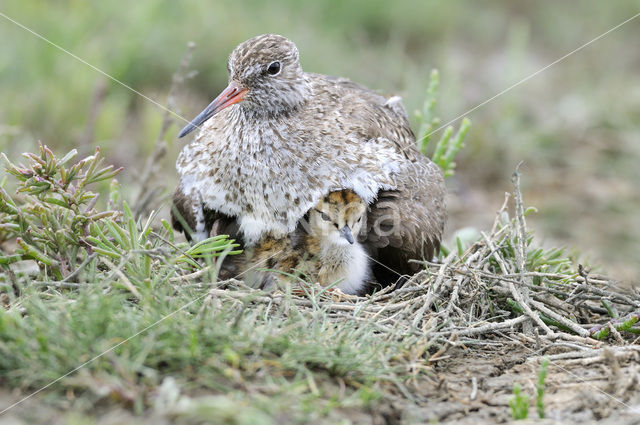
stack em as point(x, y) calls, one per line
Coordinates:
point(232, 94)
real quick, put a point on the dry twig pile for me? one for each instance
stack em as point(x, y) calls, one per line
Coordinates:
point(500, 286)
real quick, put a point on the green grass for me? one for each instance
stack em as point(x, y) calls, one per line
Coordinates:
point(253, 362)
point(519, 403)
point(249, 354)
point(540, 387)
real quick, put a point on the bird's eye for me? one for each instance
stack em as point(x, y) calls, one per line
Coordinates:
point(274, 68)
point(325, 217)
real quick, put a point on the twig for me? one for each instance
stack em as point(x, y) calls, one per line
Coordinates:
point(488, 328)
point(127, 283)
point(60, 284)
point(521, 228)
point(192, 276)
point(502, 209)
point(520, 244)
point(432, 293)
point(555, 316)
point(78, 269)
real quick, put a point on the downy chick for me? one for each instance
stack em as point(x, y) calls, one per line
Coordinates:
point(327, 252)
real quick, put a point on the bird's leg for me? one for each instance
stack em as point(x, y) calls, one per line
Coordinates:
point(216, 228)
point(323, 278)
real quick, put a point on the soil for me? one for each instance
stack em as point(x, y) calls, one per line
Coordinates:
point(601, 389)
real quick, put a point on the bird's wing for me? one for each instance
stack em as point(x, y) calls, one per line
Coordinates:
point(188, 214)
point(407, 223)
point(375, 116)
point(182, 217)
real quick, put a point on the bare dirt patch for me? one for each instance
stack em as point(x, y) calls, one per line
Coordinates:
point(474, 386)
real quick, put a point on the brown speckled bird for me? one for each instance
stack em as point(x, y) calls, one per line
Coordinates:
point(324, 248)
point(277, 139)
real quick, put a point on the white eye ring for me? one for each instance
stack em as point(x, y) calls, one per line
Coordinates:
point(274, 68)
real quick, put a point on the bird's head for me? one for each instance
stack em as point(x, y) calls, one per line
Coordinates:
point(338, 217)
point(265, 78)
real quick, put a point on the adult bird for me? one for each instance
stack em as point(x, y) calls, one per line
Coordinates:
point(278, 139)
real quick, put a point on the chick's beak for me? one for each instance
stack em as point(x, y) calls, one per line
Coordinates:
point(232, 94)
point(345, 232)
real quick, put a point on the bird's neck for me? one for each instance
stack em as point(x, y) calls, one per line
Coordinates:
point(274, 114)
point(281, 103)
point(333, 250)
point(346, 263)
point(247, 132)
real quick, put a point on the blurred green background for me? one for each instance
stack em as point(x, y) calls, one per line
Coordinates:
point(576, 125)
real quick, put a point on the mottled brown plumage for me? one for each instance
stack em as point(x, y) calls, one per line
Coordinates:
point(278, 139)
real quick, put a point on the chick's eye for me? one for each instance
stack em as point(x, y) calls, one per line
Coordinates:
point(274, 68)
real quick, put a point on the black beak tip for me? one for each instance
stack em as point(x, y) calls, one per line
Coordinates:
point(188, 129)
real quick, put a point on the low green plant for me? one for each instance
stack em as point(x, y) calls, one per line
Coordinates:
point(51, 218)
point(542, 376)
point(55, 220)
point(538, 259)
point(447, 147)
point(519, 403)
point(620, 324)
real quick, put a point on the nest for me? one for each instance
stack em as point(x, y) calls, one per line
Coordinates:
point(487, 292)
